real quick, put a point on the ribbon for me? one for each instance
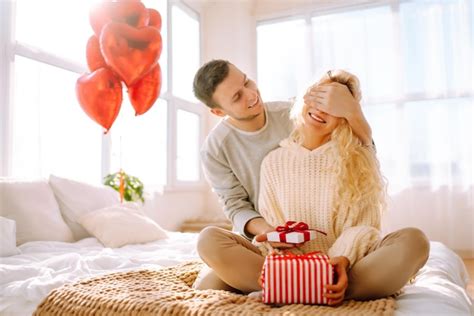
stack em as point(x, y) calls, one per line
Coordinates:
point(310, 255)
point(298, 227)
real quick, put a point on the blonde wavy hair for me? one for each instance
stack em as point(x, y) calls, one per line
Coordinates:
point(361, 188)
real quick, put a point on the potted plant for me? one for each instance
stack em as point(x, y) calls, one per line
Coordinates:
point(129, 187)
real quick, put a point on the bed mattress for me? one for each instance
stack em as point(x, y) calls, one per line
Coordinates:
point(27, 278)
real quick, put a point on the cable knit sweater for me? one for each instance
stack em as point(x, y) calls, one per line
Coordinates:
point(299, 184)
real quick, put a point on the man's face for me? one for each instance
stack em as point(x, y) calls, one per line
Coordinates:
point(238, 97)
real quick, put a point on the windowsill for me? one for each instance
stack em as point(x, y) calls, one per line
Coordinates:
point(182, 188)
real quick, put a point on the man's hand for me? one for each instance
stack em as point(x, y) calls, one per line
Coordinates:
point(280, 245)
point(259, 227)
point(256, 226)
point(338, 290)
point(333, 98)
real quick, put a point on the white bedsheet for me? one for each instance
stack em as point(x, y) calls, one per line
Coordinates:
point(27, 278)
point(439, 288)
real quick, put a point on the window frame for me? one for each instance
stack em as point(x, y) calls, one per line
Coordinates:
point(176, 103)
point(10, 47)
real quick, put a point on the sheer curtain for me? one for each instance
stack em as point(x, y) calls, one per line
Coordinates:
point(415, 63)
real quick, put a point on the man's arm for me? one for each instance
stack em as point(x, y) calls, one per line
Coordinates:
point(359, 125)
point(232, 196)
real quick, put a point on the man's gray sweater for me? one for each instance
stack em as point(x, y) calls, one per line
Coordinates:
point(231, 160)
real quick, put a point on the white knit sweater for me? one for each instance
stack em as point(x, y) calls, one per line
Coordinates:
point(299, 184)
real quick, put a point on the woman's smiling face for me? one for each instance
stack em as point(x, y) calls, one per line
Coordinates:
point(318, 122)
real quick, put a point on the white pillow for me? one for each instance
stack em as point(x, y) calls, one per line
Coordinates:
point(8, 237)
point(31, 204)
point(120, 225)
point(77, 198)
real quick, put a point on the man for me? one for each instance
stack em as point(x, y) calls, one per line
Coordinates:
point(231, 158)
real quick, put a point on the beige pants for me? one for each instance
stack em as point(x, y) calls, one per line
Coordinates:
point(235, 263)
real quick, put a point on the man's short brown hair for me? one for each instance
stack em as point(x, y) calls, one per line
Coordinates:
point(207, 78)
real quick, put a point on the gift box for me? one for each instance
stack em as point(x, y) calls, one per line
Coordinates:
point(296, 279)
point(293, 233)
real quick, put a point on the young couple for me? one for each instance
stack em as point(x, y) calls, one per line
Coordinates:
point(313, 161)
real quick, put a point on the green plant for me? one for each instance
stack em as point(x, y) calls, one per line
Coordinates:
point(132, 186)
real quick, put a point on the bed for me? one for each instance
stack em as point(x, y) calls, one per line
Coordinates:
point(120, 238)
point(27, 278)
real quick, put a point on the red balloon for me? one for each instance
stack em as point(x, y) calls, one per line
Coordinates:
point(155, 18)
point(93, 54)
point(130, 12)
point(100, 96)
point(130, 52)
point(146, 90)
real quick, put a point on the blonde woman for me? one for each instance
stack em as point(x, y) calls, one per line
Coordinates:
point(323, 175)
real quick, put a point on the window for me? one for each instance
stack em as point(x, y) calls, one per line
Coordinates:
point(283, 48)
point(415, 63)
point(188, 114)
point(60, 28)
point(139, 143)
point(45, 124)
point(45, 131)
point(187, 151)
point(367, 50)
point(186, 51)
point(50, 133)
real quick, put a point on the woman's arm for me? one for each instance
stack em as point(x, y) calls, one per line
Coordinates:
point(354, 243)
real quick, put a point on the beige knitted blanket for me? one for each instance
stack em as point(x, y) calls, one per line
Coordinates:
point(168, 291)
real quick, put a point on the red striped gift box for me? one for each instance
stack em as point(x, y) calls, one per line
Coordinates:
point(294, 279)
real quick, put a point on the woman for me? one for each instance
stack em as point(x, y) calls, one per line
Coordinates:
point(324, 176)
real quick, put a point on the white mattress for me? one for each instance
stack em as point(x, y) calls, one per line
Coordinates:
point(27, 278)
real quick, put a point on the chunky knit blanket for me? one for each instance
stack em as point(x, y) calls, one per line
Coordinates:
point(168, 291)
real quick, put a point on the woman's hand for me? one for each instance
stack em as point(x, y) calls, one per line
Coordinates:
point(338, 290)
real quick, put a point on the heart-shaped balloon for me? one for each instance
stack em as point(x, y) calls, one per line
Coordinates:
point(130, 12)
point(130, 52)
point(146, 90)
point(93, 54)
point(100, 96)
point(155, 18)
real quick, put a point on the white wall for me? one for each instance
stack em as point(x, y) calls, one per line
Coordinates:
point(229, 32)
point(170, 209)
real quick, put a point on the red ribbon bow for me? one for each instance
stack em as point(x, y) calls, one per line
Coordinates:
point(309, 255)
point(299, 227)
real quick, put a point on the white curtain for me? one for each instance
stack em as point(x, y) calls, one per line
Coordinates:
point(415, 63)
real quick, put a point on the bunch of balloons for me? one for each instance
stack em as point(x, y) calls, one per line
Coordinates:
point(125, 48)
